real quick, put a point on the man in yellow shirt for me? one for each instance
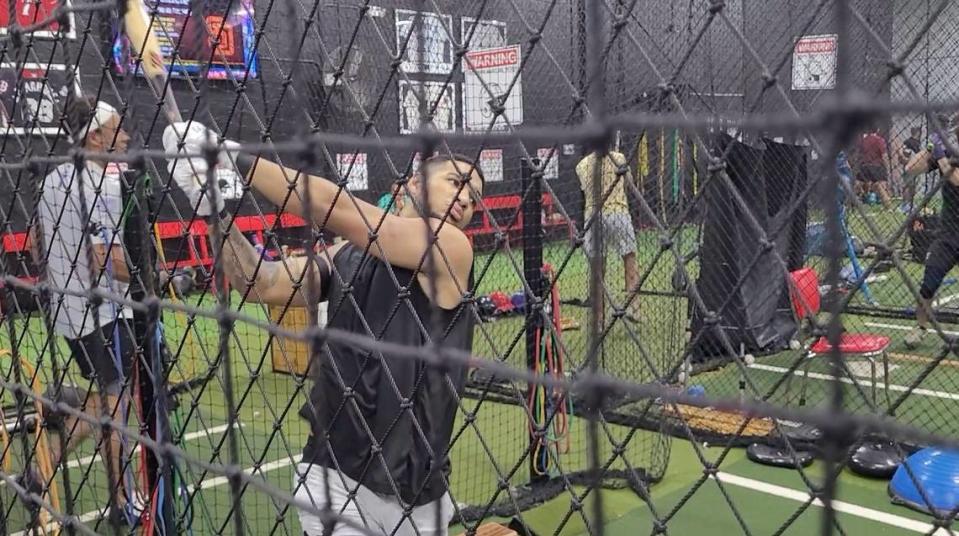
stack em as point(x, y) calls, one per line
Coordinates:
point(618, 232)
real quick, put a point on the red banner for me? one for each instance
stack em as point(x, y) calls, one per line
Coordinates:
point(816, 45)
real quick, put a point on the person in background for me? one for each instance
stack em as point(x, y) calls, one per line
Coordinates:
point(943, 253)
point(79, 211)
point(874, 166)
point(618, 232)
point(384, 202)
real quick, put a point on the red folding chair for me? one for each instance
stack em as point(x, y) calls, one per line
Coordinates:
point(868, 346)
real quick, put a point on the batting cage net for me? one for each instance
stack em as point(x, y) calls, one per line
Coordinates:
point(507, 266)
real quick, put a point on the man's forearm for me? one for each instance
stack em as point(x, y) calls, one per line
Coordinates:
point(330, 205)
point(120, 271)
point(400, 241)
point(949, 172)
point(244, 266)
point(117, 267)
point(285, 187)
point(34, 237)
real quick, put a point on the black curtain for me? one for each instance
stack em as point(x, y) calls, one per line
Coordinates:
point(736, 273)
point(786, 174)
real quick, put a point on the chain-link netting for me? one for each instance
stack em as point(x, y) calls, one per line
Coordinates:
point(298, 267)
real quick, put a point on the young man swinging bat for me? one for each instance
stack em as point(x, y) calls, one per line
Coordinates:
point(387, 421)
point(943, 253)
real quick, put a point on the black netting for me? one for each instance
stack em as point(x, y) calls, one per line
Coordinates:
point(429, 266)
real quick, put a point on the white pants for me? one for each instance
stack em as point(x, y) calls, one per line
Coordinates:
point(378, 513)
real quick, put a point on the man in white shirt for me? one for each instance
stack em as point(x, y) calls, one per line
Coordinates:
point(79, 214)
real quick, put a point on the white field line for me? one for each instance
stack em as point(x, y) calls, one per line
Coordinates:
point(83, 462)
point(901, 328)
point(265, 468)
point(892, 387)
point(87, 460)
point(946, 299)
point(206, 484)
point(840, 506)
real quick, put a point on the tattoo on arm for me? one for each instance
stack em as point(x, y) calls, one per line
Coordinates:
point(245, 268)
point(261, 281)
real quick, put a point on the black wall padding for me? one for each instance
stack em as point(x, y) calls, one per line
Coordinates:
point(786, 172)
point(757, 314)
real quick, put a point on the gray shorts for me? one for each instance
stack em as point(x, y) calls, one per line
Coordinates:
point(618, 234)
point(377, 513)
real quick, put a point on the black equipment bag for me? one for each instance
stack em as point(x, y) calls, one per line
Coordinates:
point(922, 232)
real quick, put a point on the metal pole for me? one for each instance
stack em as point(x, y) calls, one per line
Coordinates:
point(533, 272)
point(596, 102)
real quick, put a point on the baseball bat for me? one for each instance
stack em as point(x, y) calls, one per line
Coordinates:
point(144, 41)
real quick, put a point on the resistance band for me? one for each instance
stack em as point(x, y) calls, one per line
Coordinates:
point(4, 435)
point(125, 461)
point(179, 483)
point(677, 159)
point(549, 407)
point(661, 176)
point(132, 492)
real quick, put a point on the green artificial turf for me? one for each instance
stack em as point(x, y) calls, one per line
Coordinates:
point(492, 448)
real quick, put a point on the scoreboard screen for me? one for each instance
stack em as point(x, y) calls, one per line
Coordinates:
point(175, 26)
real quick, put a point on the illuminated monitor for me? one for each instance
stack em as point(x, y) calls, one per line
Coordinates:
point(175, 26)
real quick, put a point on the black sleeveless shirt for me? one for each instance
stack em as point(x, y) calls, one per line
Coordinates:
point(384, 415)
point(949, 215)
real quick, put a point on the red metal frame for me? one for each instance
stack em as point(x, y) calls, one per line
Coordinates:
point(496, 202)
point(200, 253)
point(199, 250)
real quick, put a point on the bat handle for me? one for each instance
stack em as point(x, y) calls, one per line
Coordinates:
point(170, 108)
